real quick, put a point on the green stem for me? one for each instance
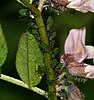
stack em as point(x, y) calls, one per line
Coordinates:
point(31, 7)
point(47, 55)
point(22, 84)
point(50, 72)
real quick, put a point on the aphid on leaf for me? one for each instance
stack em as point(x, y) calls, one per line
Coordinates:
point(76, 52)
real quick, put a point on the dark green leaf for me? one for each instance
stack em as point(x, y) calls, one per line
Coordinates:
point(3, 48)
point(28, 60)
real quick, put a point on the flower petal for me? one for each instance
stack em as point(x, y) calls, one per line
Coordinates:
point(90, 71)
point(74, 93)
point(90, 50)
point(75, 44)
point(82, 5)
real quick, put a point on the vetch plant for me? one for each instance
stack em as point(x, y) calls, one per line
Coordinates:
point(37, 54)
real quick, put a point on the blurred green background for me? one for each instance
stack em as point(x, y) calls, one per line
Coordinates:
point(13, 26)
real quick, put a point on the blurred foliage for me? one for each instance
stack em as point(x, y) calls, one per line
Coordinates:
point(14, 25)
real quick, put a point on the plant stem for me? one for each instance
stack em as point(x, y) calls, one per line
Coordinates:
point(22, 84)
point(31, 7)
point(47, 55)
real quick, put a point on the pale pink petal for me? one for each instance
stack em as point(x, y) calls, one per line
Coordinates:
point(82, 5)
point(89, 70)
point(75, 44)
point(90, 50)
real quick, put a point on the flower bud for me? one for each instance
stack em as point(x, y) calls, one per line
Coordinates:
point(73, 93)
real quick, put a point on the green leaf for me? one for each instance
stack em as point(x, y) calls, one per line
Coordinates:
point(29, 58)
point(3, 48)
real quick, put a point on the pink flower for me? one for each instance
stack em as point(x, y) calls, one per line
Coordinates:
point(81, 5)
point(75, 44)
point(76, 52)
